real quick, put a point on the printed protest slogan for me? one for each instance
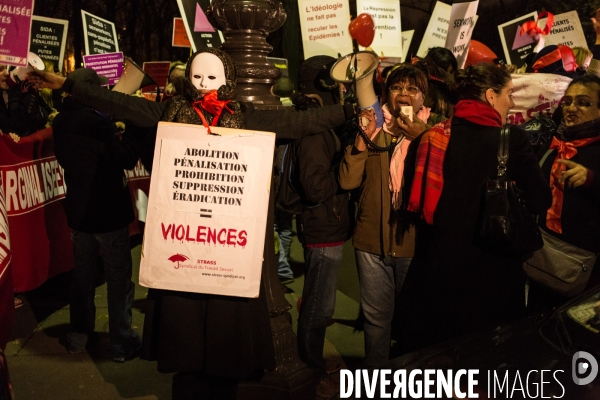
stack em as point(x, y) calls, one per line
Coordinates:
point(566, 30)
point(205, 226)
point(462, 23)
point(437, 29)
point(15, 31)
point(386, 16)
point(516, 46)
point(48, 38)
point(109, 65)
point(200, 32)
point(324, 26)
point(100, 34)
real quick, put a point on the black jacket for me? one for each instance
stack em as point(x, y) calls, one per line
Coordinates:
point(93, 157)
point(24, 114)
point(328, 216)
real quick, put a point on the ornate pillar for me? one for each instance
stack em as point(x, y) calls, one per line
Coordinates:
point(245, 25)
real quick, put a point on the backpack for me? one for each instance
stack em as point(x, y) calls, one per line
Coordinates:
point(288, 196)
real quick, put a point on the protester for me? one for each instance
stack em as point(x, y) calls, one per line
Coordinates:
point(442, 58)
point(99, 210)
point(572, 169)
point(210, 342)
point(175, 80)
point(453, 287)
point(583, 57)
point(383, 242)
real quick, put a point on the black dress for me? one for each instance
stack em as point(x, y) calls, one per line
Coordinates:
point(452, 287)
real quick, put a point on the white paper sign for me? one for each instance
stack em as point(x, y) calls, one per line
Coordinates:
point(566, 30)
point(437, 29)
point(386, 16)
point(207, 210)
point(406, 41)
point(462, 23)
point(324, 25)
point(536, 94)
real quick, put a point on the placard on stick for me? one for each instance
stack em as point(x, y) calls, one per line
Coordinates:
point(207, 210)
point(516, 46)
point(324, 26)
point(100, 35)
point(48, 38)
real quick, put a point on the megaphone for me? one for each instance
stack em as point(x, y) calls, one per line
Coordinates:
point(34, 62)
point(132, 78)
point(358, 67)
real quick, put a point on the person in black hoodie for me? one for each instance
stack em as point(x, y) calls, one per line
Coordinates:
point(326, 222)
point(99, 210)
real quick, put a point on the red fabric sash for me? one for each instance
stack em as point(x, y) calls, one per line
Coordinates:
point(531, 27)
point(566, 150)
point(478, 112)
point(212, 105)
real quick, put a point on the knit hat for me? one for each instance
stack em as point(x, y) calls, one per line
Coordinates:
point(88, 75)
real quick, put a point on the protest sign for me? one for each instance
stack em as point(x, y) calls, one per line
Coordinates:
point(566, 30)
point(206, 220)
point(460, 29)
point(100, 35)
point(324, 26)
point(200, 32)
point(406, 41)
point(48, 38)
point(109, 65)
point(15, 31)
point(180, 37)
point(386, 16)
point(516, 46)
point(157, 70)
point(536, 94)
point(437, 28)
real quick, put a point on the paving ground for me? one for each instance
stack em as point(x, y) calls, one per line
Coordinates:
point(41, 368)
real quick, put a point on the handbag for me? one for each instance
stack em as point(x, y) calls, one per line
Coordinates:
point(506, 226)
point(540, 130)
point(558, 265)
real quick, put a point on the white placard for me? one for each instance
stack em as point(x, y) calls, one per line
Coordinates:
point(460, 29)
point(388, 33)
point(207, 210)
point(406, 41)
point(437, 29)
point(536, 94)
point(566, 30)
point(516, 46)
point(324, 25)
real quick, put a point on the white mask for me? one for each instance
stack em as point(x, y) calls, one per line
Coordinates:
point(207, 72)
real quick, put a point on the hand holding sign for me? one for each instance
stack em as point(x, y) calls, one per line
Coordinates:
point(362, 28)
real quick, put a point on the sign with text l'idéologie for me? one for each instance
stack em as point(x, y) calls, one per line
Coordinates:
point(15, 31)
point(460, 29)
point(437, 29)
point(48, 38)
point(324, 26)
point(386, 16)
point(207, 212)
point(100, 35)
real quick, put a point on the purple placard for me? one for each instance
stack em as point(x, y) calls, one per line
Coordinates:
point(15, 31)
point(109, 65)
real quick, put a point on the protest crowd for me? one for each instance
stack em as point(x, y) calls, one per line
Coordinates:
point(404, 179)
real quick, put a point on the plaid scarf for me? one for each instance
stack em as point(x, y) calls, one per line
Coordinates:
point(428, 182)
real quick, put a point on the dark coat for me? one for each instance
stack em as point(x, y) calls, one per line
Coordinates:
point(24, 114)
point(328, 216)
point(93, 157)
point(221, 336)
point(452, 287)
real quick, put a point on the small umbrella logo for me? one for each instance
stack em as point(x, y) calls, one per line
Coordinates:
point(178, 258)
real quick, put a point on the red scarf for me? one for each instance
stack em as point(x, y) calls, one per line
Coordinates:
point(566, 150)
point(428, 182)
point(211, 105)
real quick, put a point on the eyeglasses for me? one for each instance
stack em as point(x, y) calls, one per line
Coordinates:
point(411, 91)
point(578, 103)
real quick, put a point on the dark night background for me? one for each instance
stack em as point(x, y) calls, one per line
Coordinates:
point(145, 27)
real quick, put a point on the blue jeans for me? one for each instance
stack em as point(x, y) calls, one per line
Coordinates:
point(116, 257)
point(381, 279)
point(318, 303)
point(283, 228)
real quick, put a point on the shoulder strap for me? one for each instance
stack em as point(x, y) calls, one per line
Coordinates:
point(503, 150)
point(543, 159)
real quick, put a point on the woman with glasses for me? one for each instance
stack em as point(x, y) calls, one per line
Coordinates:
point(383, 242)
point(572, 168)
point(453, 287)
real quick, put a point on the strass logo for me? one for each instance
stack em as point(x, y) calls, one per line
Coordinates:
point(177, 258)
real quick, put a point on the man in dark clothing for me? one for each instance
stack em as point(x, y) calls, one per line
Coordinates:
point(99, 210)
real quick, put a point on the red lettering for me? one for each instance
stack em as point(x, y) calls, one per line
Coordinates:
point(165, 232)
point(187, 235)
point(200, 234)
point(221, 232)
point(212, 236)
point(231, 236)
point(242, 238)
point(180, 232)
